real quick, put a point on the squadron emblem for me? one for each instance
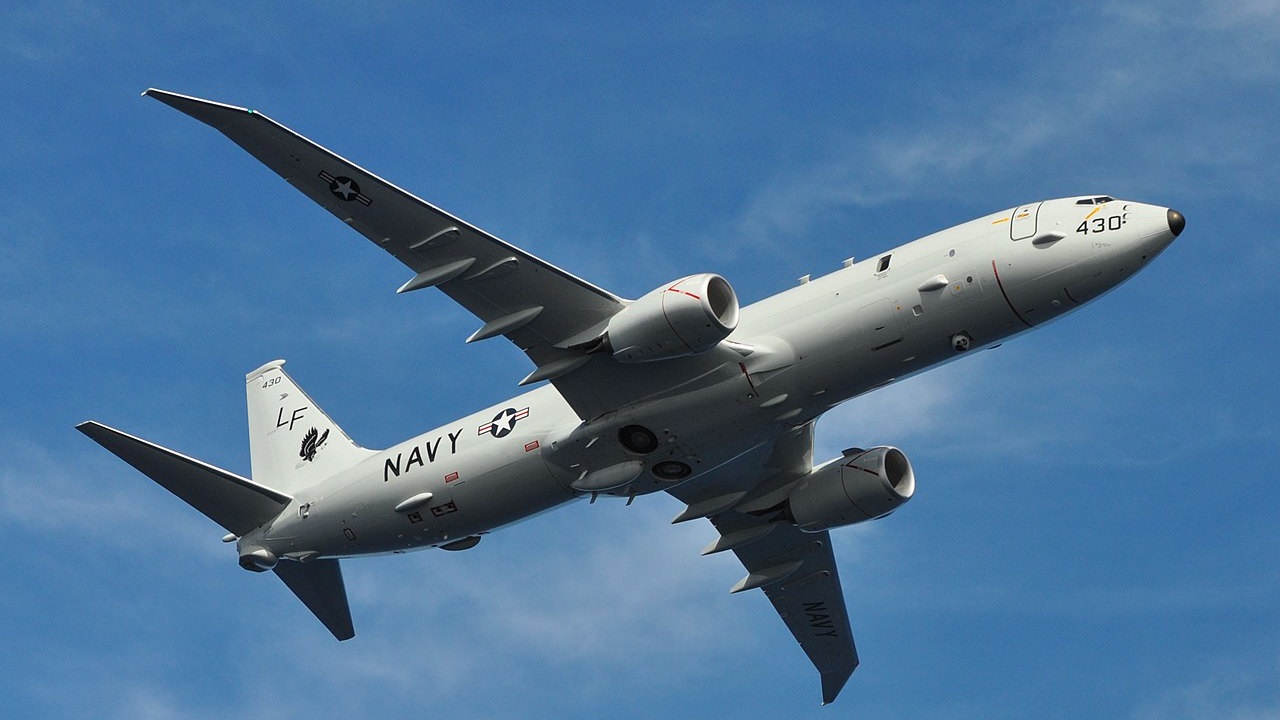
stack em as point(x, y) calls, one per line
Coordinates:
point(311, 442)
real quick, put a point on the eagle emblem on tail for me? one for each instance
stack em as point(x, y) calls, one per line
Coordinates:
point(312, 442)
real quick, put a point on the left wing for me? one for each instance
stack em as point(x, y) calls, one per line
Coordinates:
point(796, 569)
point(533, 303)
point(234, 502)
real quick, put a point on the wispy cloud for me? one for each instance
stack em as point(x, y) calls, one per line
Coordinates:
point(1124, 68)
point(48, 492)
point(1239, 688)
point(556, 593)
point(30, 36)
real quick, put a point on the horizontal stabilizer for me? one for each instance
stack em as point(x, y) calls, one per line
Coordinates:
point(318, 584)
point(236, 503)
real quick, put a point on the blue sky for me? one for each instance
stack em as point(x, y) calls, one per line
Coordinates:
point(1095, 531)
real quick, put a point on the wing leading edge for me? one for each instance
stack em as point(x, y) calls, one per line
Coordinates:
point(796, 570)
point(533, 303)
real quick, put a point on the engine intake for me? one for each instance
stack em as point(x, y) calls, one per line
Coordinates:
point(686, 317)
point(862, 485)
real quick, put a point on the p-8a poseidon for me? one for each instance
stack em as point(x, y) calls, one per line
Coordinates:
point(681, 391)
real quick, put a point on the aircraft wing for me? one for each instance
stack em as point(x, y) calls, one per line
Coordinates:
point(796, 569)
point(533, 303)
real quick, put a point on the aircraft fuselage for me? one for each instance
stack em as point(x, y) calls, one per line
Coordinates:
point(792, 357)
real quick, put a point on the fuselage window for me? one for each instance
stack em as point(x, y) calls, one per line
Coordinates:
point(883, 264)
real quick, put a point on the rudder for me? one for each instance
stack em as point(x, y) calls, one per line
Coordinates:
point(293, 444)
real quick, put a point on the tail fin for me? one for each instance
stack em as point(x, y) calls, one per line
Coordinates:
point(292, 443)
point(239, 505)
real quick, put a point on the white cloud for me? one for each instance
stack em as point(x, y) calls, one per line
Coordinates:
point(99, 499)
point(609, 598)
point(1090, 93)
point(1240, 688)
point(915, 408)
point(610, 575)
point(31, 36)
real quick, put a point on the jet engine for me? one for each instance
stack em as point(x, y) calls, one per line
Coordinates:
point(257, 559)
point(862, 485)
point(689, 316)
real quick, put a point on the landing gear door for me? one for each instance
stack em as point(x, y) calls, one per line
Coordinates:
point(1024, 221)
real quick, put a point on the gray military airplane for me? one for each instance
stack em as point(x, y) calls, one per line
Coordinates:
point(681, 391)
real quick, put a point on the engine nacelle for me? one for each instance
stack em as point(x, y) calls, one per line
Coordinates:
point(862, 485)
point(257, 559)
point(688, 316)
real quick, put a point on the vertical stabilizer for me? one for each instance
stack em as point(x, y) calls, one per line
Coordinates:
point(292, 443)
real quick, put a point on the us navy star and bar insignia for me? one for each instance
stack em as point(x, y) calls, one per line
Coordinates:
point(503, 423)
point(345, 189)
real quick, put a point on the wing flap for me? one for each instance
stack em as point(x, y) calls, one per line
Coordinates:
point(490, 278)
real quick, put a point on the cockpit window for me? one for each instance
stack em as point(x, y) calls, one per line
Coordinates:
point(1095, 200)
point(883, 264)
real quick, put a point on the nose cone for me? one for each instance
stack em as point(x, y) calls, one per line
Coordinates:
point(1176, 222)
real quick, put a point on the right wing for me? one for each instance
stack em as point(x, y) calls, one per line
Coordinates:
point(796, 569)
point(533, 303)
point(550, 314)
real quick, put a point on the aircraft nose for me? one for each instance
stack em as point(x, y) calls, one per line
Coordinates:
point(1176, 222)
